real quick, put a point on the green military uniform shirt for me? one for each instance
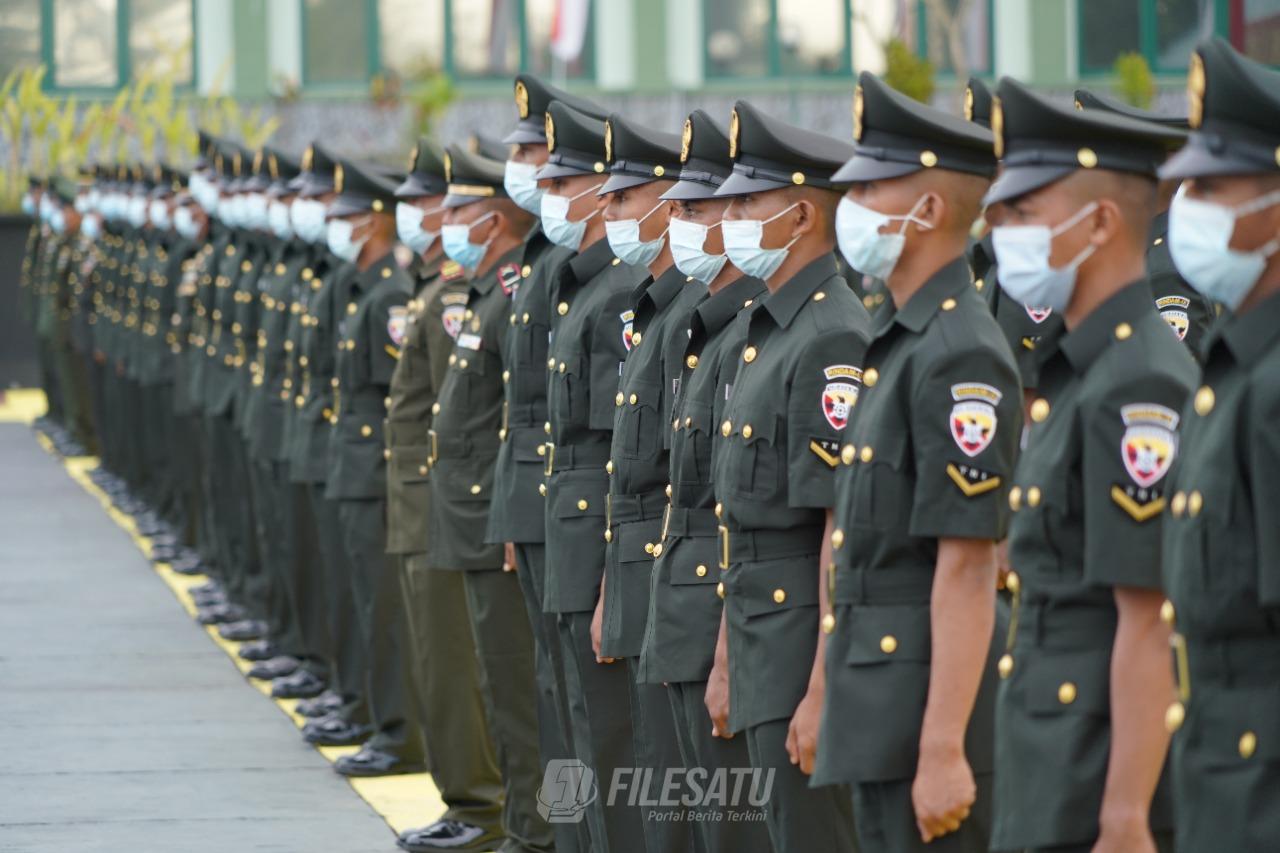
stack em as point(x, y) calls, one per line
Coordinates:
point(1222, 573)
point(928, 455)
point(1087, 495)
point(316, 391)
point(639, 465)
point(433, 322)
point(590, 337)
point(797, 380)
point(683, 621)
point(1188, 313)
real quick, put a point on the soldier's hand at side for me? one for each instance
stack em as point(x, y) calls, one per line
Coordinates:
point(717, 700)
point(1130, 835)
point(509, 557)
point(1002, 563)
point(597, 628)
point(942, 793)
point(802, 734)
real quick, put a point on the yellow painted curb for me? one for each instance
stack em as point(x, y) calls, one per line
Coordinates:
point(404, 801)
point(22, 405)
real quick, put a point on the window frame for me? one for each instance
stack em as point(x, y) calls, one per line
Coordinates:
point(773, 52)
point(373, 52)
point(124, 53)
point(1147, 45)
point(922, 38)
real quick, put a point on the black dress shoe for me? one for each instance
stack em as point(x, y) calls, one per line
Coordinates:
point(243, 629)
point(258, 650)
point(335, 731)
point(221, 613)
point(302, 684)
point(188, 569)
point(276, 667)
point(206, 587)
point(319, 706)
point(448, 835)
point(370, 761)
point(210, 599)
point(163, 554)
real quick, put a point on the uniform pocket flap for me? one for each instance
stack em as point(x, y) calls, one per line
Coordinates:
point(775, 585)
point(695, 562)
point(888, 447)
point(581, 498)
point(635, 541)
point(697, 417)
point(886, 634)
point(642, 393)
point(569, 362)
point(410, 464)
point(357, 428)
point(529, 446)
point(761, 428)
point(1069, 682)
point(1237, 725)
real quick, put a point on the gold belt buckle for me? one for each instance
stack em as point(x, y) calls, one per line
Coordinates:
point(1181, 669)
point(666, 520)
point(608, 511)
point(434, 453)
point(724, 546)
point(551, 457)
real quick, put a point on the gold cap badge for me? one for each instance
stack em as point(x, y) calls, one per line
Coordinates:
point(522, 99)
point(307, 156)
point(551, 134)
point(857, 114)
point(997, 126)
point(968, 103)
point(608, 141)
point(1195, 91)
point(686, 140)
point(338, 178)
point(733, 134)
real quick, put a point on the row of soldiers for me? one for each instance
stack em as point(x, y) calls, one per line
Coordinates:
point(565, 465)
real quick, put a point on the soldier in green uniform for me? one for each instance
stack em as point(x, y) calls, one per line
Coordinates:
point(684, 611)
point(796, 380)
point(1221, 541)
point(908, 674)
point(1188, 313)
point(1086, 676)
point(369, 308)
point(441, 650)
point(517, 514)
point(643, 164)
point(590, 338)
point(485, 232)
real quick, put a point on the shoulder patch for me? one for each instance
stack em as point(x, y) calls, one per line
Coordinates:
point(1149, 443)
point(839, 396)
point(509, 277)
point(455, 309)
point(451, 271)
point(826, 449)
point(397, 323)
point(628, 328)
point(1173, 309)
point(973, 418)
point(1038, 315)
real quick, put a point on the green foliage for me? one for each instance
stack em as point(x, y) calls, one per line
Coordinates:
point(910, 74)
point(1134, 81)
point(430, 97)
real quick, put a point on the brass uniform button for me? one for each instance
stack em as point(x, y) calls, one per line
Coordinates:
point(837, 539)
point(526, 271)
point(1015, 498)
point(819, 296)
point(1040, 410)
point(351, 308)
point(1179, 504)
point(463, 364)
point(422, 470)
point(719, 509)
point(542, 450)
point(582, 505)
point(1005, 666)
point(870, 377)
point(828, 623)
point(435, 408)
point(608, 467)
point(633, 399)
point(453, 358)
point(749, 354)
point(1033, 496)
point(562, 308)
point(779, 596)
point(1195, 502)
point(506, 376)
point(726, 428)
point(1123, 331)
point(747, 431)
point(1174, 716)
point(1204, 400)
point(563, 367)
point(657, 550)
point(848, 454)
point(542, 489)
point(888, 644)
point(720, 589)
point(475, 489)
point(366, 430)
point(635, 339)
point(1067, 693)
point(546, 427)
point(648, 547)
point(867, 454)
point(608, 536)
point(1168, 614)
point(691, 362)
point(386, 454)
point(948, 304)
point(617, 400)
point(1248, 744)
point(700, 571)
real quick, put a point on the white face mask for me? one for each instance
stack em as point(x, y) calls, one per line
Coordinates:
point(341, 242)
point(255, 211)
point(522, 186)
point(1200, 235)
point(624, 239)
point(91, 227)
point(409, 228)
point(867, 250)
point(278, 219)
point(687, 240)
point(137, 211)
point(457, 243)
point(556, 223)
point(1023, 251)
point(82, 204)
point(742, 238)
point(159, 215)
point(184, 222)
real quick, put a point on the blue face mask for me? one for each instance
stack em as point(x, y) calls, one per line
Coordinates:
point(742, 239)
point(457, 243)
point(624, 239)
point(28, 205)
point(1200, 235)
point(687, 241)
point(556, 223)
point(341, 242)
point(409, 219)
point(520, 184)
point(58, 221)
point(91, 227)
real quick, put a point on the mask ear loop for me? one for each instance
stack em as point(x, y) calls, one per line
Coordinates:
point(641, 220)
point(911, 217)
point(1071, 222)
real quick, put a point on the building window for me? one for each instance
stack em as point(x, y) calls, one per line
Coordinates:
point(85, 48)
point(336, 37)
point(484, 38)
point(539, 17)
point(19, 35)
point(956, 35)
point(777, 38)
point(411, 41)
point(1255, 29)
point(1164, 31)
point(162, 39)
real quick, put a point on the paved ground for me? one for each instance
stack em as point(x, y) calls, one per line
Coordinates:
point(122, 727)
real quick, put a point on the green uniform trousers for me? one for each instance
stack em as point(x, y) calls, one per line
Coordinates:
point(799, 818)
point(346, 652)
point(504, 647)
point(442, 653)
point(381, 627)
point(886, 820)
point(74, 387)
point(271, 521)
point(600, 713)
point(740, 827)
point(657, 748)
point(303, 574)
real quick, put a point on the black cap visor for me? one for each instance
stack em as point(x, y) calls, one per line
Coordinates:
point(862, 168)
point(1017, 181)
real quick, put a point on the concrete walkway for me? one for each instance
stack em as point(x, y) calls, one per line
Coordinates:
point(122, 727)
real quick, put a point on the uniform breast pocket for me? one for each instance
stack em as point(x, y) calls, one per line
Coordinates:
point(642, 427)
point(1053, 495)
point(697, 423)
point(569, 391)
point(761, 457)
point(531, 341)
point(471, 368)
point(884, 482)
point(1219, 530)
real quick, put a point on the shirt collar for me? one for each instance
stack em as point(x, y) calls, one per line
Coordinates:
point(380, 269)
point(588, 263)
point(718, 309)
point(949, 281)
point(482, 284)
point(1250, 335)
point(786, 303)
point(661, 291)
point(1083, 344)
point(1159, 226)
